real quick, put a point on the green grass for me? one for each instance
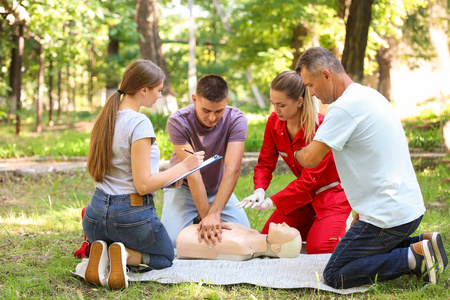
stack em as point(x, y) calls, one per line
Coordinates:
point(428, 140)
point(60, 142)
point(57, 145)
point(40, 228)
point(63, 141)
point(255, 134)
point(63, 144)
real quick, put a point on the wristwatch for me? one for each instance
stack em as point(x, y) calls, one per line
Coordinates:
point(295, 153)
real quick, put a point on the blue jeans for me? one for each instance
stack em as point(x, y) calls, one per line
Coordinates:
point(111, 218)
point(179, 210)
point(367, 253)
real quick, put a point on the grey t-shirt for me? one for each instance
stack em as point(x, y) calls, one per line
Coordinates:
point(130, 127)
point(184, 128)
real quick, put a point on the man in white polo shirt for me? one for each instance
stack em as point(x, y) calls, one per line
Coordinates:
point(373, 161)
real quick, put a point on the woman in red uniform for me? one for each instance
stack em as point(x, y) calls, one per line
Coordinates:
point(314, 202)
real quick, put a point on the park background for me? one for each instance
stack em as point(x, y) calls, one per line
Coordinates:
point(60, 60)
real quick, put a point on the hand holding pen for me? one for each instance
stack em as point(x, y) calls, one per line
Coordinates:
point(194, 160)
point(187, 151)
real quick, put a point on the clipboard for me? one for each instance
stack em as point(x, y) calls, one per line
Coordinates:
point(204, 164)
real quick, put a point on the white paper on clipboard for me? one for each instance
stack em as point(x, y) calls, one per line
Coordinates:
point(204, 164)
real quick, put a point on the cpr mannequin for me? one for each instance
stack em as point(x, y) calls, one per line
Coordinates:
point(241, 243)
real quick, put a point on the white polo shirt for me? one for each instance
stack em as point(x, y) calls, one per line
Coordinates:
point(372, 157)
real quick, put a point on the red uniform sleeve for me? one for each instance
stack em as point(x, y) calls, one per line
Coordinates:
point(267, 160)
point(302, 190)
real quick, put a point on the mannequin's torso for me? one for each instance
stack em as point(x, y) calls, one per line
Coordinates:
point(240, 243)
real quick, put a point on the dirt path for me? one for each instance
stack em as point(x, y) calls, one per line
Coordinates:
point(78, 126)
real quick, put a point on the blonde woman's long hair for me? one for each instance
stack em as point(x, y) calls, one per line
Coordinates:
point(292, 84)
point(140, 73)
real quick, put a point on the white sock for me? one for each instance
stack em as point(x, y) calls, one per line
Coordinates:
point(411, 259)
point(145, 258)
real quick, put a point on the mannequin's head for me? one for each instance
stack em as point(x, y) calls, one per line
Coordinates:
point(285, 241)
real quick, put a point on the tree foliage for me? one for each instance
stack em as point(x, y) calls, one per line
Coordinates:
point(264, 38)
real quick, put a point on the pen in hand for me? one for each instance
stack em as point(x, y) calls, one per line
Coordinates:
point(187, 151)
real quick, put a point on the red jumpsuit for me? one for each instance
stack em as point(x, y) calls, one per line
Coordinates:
point(314, 203)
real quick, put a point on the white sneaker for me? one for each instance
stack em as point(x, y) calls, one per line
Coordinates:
point(98, 263)
point(425, 261)
point(118, 278)
point(438, 248)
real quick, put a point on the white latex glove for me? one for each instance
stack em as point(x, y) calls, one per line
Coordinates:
point(264, 205)
point(258, 196)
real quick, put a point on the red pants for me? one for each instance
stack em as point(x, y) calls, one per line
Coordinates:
point(321, 236)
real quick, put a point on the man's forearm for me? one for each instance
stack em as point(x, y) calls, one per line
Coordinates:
point(311, 155)
point(198, 192)
point(226, 188)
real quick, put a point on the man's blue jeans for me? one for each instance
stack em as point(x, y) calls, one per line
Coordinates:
point(368, 253)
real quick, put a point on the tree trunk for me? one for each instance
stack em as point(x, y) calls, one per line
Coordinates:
point(59, 92)
point(384, 59)
point(342, 8)
point(40, 90)
point(150, 43)
point(255, 90)
point(254, 87)
point(357, 30)
point(222, 15)
point(68, 79)
point(298, 35)
point(22, 19)
point(68, 91)
point(14, 72)
point(50, 91)
point(150, 48)
point(113, 51)
point(16, 75)
point(192, 70)
point(74, 93)
point(91, 71)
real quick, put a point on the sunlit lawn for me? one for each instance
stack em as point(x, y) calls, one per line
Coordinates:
point(40, 224)
point(41, 228)
point(66, 139)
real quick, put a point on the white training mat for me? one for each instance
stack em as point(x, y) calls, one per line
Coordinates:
point(305, 271)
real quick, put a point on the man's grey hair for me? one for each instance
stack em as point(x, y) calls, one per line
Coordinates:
point(315, 59)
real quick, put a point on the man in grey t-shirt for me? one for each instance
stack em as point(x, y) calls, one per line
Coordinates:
point(206, 196)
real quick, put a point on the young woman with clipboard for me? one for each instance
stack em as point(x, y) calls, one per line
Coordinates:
point(121, 218)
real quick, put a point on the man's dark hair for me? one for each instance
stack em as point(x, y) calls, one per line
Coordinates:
point(212, 87)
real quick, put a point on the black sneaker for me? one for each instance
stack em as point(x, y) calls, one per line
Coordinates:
point(425, 261)
point(438, 248)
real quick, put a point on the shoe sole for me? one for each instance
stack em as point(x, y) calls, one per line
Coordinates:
point(92, 276)
point(116, 280)
point(428, 259)
point(439, 250)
